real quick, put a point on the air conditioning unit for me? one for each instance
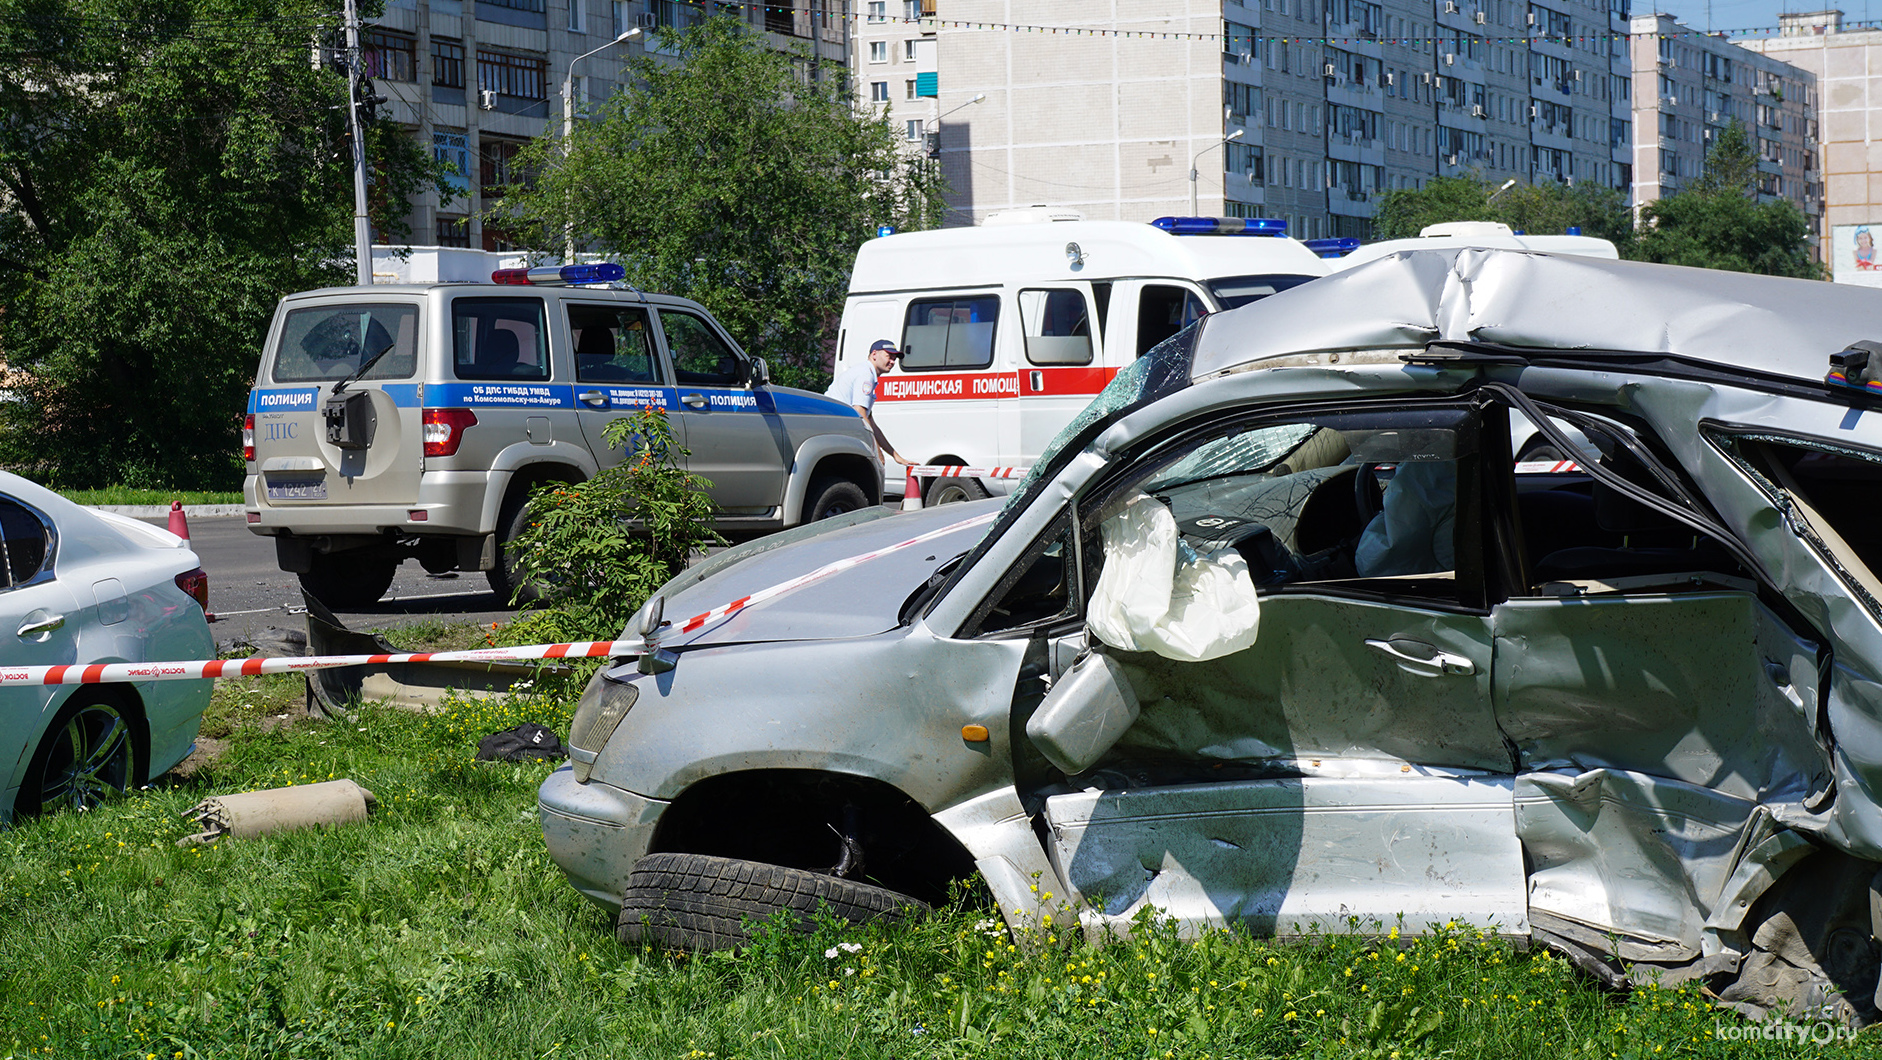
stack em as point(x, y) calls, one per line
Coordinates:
point(1578, 75)
point(1532, 18)
point(1437, 82)
point(1389, 78)
point(1425, 77)
point(1450, 7)
point(1478, 17)
point(1331, 70)
point(646, 20)
point(1450, 59)
point(1476, 110)
point(1451, 161)
point(487, 99)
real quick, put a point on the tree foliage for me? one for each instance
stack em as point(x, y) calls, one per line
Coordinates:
point(1538, 209)
point(732, 178)
point(168, 169)
point(1719, 223)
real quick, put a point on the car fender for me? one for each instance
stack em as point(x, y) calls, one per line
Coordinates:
point(804, 467)
point(524, 456)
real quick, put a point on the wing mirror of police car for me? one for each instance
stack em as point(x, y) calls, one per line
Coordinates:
point(760, 372)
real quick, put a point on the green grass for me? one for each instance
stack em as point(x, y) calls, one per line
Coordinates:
point(441, 929)
point(128, 496)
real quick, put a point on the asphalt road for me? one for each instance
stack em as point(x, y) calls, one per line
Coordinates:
point(258, 605)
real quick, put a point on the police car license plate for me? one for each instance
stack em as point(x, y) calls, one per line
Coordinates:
point(299, 488)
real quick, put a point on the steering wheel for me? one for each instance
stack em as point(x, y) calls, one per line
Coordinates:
point(1368, 495)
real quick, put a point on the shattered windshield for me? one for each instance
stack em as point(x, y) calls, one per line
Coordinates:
point(1163, 370)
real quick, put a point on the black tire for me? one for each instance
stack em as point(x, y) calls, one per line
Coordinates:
point(90, 748)
point(344, 579)
point(503, 577)
point(950, 490)
point(833, 496)
point(701, 902)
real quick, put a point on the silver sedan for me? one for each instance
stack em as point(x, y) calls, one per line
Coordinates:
point(79, 587)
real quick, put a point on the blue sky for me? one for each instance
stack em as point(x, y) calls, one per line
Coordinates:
point(1745, 14)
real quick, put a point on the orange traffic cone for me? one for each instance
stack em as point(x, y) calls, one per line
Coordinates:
point(179, 523)
point(911, 492)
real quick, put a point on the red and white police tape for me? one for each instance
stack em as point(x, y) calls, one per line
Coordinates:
point(957, 471)
point(103, 673)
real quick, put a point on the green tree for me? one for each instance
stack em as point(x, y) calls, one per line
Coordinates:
point(1718, 223)
point(1539, 209)
point(734, 178)
point(168, 169)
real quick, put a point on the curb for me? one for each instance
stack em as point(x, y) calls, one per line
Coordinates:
point(162, 511)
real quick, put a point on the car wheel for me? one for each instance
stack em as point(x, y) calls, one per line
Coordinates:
point(343, 579)
point(833, 496)
point(701, 902)
point(90, 749)
point(950, 490)
point(503, 577)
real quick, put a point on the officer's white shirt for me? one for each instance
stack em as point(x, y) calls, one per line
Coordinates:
point(856, 385)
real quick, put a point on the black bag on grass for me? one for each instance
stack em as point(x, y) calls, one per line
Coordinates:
point(528, 742)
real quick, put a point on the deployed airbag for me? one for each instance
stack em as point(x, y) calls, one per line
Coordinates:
point(1159, 595)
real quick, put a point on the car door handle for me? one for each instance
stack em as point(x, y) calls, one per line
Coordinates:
point(44, 625)
point(697, 401)
point(595, 398)
point(1437, 664)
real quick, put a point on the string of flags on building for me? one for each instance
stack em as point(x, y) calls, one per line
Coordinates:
point(1172, 35)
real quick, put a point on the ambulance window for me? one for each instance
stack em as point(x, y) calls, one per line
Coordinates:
point(499, 338)
point(1164, 311)
point(950, 332)
point(23, 541)
point(331, 342)
point(613, 344)
point(1233, 292)
point(700, 357)
point(1057, 324)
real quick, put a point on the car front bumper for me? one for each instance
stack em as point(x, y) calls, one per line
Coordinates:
point(595, 832)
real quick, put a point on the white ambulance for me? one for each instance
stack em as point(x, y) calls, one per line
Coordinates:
point(1009, 329)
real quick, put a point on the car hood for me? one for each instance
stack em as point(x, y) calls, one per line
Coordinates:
point(857, 600)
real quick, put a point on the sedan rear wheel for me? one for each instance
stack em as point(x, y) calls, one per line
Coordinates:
point(701, 902)
point(88, 752)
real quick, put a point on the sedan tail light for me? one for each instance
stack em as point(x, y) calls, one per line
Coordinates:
point(444, 430)
point(196, 584)
point(248, 437)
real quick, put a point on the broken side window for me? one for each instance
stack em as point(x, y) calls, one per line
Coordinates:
point(1827, 494)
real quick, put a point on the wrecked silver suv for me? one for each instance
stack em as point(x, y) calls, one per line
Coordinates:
point(1279, 635)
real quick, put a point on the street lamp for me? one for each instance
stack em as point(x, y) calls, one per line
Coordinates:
point(933, 134)
point(568, 121)
point(1236, 135)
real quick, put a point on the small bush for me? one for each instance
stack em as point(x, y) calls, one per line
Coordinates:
point(598, 550)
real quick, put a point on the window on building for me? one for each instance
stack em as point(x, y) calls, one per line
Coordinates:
point(521, 76)
point(914, 127)
point(447, 63)
point(878, 51)
point(1242, 101)
point(908, 51)
point(781, 17)
point(497, 164)
point(619, 23)
point(390, 56)
point(908, 89)
point(518, 5)
point(878, 10)
point(577, 8)
point(1246, 160)
point(878, 91)
point(453, 149)
point(453, 231)
point(1238, 41)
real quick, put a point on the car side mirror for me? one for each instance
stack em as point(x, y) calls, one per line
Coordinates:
point(760, 372)
point(1086, 712)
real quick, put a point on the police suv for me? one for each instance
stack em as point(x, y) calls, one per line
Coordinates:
point(411, 421)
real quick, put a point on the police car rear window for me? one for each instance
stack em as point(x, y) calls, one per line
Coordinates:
point(499, 338)
point(330, 342)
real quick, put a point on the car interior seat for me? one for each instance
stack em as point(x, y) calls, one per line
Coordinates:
point(1630, 540)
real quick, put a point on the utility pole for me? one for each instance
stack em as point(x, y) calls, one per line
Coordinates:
point(362, 228)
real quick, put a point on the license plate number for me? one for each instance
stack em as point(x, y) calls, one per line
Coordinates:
point(297, 489)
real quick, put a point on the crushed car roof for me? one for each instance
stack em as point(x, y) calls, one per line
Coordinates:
point(1756, 324)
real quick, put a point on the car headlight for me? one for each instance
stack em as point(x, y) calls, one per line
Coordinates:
point(603, 704)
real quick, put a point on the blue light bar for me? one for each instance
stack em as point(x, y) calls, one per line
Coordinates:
point(1337, 247)
point(1222, 226)
point(596, 272)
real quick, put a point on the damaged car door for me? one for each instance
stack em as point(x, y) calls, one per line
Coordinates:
point(1345, 762)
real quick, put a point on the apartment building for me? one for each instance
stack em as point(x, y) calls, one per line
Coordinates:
point(1688, 86)
point(477, 79)
point(1846, 62)
point(1300, 109)
point(893, 66)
